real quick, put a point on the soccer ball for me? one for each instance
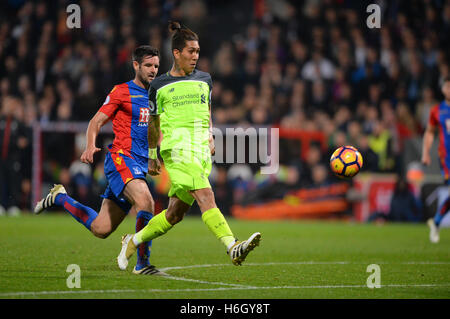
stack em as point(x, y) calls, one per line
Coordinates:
point(346, 161)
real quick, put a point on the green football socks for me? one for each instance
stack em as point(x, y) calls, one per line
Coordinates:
point(217, 224)
point(156, 227)
point(213, 218)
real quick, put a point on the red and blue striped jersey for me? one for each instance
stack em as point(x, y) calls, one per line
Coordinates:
point(127, 107)
point(440, 118)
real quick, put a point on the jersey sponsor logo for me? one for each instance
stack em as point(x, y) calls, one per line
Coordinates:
point(133, 96)
point(136, 170)
point(185, 99)
point(144, 114)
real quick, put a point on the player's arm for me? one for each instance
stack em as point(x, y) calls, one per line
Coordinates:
point(212, 147)
point(153, 135)
point(154, 166)
point(428, 138)
point(95, 124)
point(153, 132)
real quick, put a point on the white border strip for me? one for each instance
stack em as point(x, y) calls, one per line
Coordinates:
point(113, 291)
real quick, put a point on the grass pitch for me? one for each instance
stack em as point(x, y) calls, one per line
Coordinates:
point(296, 260)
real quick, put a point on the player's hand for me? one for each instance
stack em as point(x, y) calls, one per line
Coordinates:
point(212, 147)
point(154, 167)
point(88, 154)
point(426, 159)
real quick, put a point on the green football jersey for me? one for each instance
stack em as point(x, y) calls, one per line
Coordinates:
point(183, 106)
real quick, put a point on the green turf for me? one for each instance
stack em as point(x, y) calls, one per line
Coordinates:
point(296, 259)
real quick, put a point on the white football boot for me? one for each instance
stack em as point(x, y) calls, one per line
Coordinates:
point(239, 251)
point(49, 200)
point(149, 270)
point(434, 231)
point(128, 249)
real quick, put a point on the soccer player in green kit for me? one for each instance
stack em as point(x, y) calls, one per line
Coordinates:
point(180, 105)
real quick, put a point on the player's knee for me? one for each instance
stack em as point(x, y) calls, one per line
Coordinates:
point(205, 199)
point(101, 231)
point(145, 203)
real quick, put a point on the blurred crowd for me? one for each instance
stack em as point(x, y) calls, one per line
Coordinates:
point(307, 65)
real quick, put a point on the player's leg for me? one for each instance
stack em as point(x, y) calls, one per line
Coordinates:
point(217, 224)
point(143, 250)
point(157, 226)
point(138, 193)
point(108, 219)
point(435, 222)
point(443, 210)
point(59, 197)
point(164, 221)
point(179, 202)
point(213, 217)
point(101, 224)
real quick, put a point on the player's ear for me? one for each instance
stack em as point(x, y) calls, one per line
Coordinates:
point(136, 65)
point(176, 53)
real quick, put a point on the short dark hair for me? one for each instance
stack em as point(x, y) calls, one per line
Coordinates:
point(181, 35)
point(142, 51)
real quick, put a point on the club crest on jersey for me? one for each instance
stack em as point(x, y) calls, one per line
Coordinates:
point(144, 114)
point(151, 105)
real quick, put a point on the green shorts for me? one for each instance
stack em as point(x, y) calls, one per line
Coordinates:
point(187, 172)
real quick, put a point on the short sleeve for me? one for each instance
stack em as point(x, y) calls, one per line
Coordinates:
point(210, 84)
point(152, 103)
point(434, 116)
point(112, 102)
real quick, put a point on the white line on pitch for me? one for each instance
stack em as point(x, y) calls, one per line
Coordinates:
point(112, 291)
point(260, 264)
point(205, 282)
point(311, 263)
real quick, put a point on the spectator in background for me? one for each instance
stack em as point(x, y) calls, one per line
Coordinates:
point(380, 141)
point(320, 176)
point(370, 158)
point(313, 158)
point(15, 142)
point(424, 106)
point(404, 207)
point(318, 68)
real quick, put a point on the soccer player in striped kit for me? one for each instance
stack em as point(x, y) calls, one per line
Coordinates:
point(126, 162)
point(439, 120)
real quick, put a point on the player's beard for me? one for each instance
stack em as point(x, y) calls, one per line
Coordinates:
point(144, 81)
